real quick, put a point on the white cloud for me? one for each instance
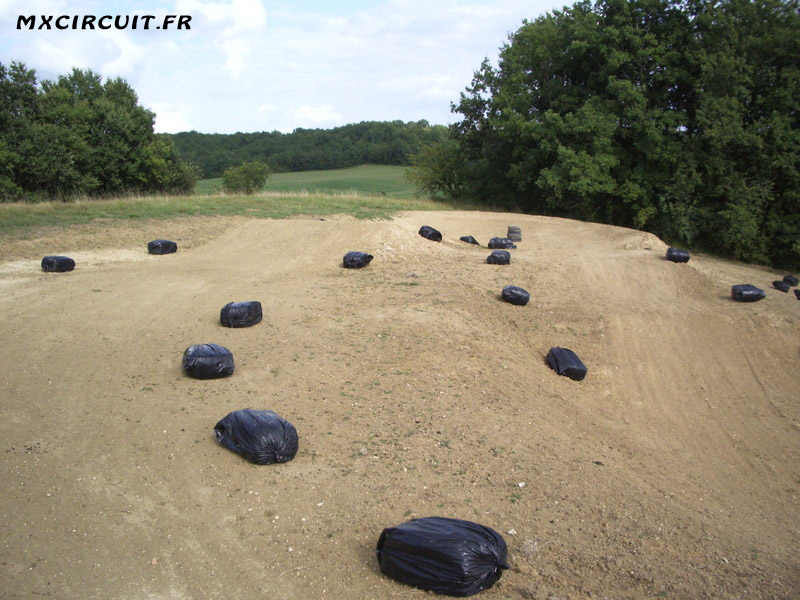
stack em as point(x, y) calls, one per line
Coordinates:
point(169, 120)
point(277, 118)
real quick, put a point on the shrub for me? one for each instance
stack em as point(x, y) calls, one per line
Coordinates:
point(247, 178)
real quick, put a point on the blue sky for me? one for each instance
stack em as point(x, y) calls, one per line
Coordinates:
point(263, 65)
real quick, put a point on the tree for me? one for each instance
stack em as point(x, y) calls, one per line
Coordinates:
point(247, 178)
point(80, 136)
point(678, 117)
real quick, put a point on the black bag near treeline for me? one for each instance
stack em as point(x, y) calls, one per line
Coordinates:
point(240, 314)
point(260, 436)
point(356, 260)
point(446, 556)
point(747, 293)
point(565, 362)
point(499, 257)
point(208, 361)
point(162, 247)
point(430, 233)
point(501, 243)
point(57, 264)
point(781, 285)
point(677, 255)
point(469, 239)
point(791, 280)
point(515, 295)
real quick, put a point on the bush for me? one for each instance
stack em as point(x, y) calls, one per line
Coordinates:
point(247, 178)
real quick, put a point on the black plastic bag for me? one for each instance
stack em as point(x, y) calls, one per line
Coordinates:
point(207, 361)
point(57, 264)
point(791, 280)
point(260, 436)
point(241, 314)
point(446, 556)
point(797, 293)
point(566, 362)
point(515, 295)
point(677, 255)
point(499, 257)
point(162, 247)
point(501, 243)
point(430, 233)
point(356, 260)
point(781, 285)
point(469, 239)
point(747, 293)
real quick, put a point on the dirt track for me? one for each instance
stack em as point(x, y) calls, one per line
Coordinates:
point(671, 471)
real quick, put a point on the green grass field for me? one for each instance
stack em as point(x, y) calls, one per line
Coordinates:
point(377, 180)
point(366, 192)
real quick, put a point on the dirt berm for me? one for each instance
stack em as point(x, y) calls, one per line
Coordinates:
point(672, 471)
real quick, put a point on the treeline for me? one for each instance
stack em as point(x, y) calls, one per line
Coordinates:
point(80, 136)
point(678, 117)
point(382, 143)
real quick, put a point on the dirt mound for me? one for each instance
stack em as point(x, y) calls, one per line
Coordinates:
point(671, 471)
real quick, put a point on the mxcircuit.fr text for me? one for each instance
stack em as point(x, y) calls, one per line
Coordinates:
point(84, 22)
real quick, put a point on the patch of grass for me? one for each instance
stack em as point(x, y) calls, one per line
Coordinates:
point(374, 180)
point(18, 218)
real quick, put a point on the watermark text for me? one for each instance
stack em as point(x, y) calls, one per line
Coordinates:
point(84, 22)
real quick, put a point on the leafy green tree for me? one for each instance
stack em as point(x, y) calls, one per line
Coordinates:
point(310, 149)
point(678, 117)
point(247, 178)
point(80, 136)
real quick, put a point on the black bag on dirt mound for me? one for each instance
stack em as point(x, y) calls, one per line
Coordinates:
point(260, 436)
point(57, 264)
point(501, 243)
point(797, 293)
point(515, 295)
point(162, 247)
point(241, 314)
point(781, 285)
point(356, 260)
point(446, 556)
point(791, 280)
point(469, 239)
point(566, 362)
point(499, 257)
point(207, 361)
point(430, 233)
point(677, 255)
point(747, 293)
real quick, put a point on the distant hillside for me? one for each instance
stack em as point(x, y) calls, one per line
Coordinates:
point(374, 142)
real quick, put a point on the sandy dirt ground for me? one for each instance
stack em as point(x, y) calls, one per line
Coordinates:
point(671, 471)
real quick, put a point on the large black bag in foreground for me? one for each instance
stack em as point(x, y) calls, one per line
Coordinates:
point(207, 361)
point(515, 295)
point(566, 362)
point(241, 314)
point(747, 293)
point(162, 247)
point(261, 436)
point(356, 260)
point(446, 556)
point(430, 233)
point(57, 264)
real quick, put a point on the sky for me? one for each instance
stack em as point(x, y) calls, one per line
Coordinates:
point(263, 65)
